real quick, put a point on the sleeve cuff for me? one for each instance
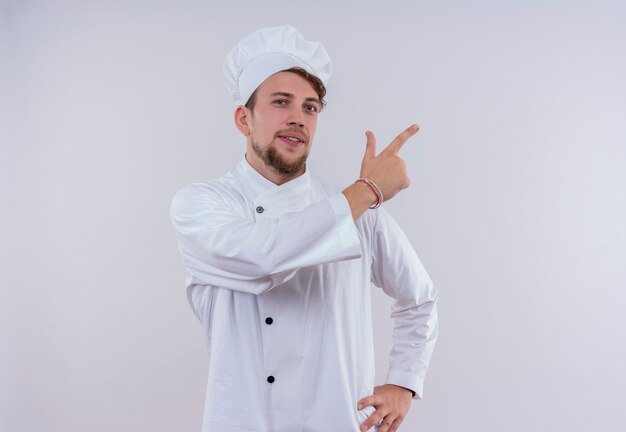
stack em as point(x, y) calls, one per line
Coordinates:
point(408, 380)
point(347, 232)
point(340, 205)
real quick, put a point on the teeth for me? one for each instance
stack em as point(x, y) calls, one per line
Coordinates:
point(293, 139)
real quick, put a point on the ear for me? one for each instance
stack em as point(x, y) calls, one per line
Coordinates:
point(241, 120)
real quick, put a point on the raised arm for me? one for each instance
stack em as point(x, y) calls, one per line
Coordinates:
point(222, 248)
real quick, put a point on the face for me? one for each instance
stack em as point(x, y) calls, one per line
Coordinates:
point(281, 126)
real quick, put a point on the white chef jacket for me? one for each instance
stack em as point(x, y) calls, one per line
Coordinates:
point(279, 277)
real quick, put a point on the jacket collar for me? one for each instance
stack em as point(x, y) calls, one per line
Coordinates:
point(261, 185)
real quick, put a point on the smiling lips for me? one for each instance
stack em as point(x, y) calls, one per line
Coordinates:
point(292, 140)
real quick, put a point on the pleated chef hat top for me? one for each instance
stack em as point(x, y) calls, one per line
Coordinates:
point(267, 51)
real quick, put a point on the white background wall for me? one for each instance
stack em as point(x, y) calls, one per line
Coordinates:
point(517, 205)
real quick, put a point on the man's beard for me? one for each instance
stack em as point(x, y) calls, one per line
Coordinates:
point(273, 160)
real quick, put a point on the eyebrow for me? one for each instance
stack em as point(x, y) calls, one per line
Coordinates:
point(291, 96)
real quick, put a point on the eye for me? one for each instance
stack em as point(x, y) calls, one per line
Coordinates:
point(280, 101)
point(311, 108)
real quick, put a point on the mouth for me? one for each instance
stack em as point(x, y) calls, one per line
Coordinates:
point(292, 140)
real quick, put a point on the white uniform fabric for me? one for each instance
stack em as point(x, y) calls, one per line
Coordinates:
point(279, 277)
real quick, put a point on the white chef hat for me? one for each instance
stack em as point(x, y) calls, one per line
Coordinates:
point(270, 50)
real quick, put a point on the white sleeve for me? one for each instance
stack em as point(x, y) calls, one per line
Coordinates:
point(397, 269)
point(222, 248)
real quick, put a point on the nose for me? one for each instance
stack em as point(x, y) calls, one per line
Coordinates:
point(295, 117)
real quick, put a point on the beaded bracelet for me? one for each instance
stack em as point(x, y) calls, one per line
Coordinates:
point(374, 187)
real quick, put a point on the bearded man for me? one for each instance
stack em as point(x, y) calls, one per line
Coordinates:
point(279, 264)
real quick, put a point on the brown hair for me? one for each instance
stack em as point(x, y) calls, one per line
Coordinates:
point(317, 84)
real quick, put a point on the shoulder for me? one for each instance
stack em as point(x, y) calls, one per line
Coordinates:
point(202, 194)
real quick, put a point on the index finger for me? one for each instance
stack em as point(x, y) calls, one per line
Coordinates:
point(370, 400)
point(395, 145)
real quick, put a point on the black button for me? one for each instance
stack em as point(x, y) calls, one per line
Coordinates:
point(259, 209)
point(269, 320)
point(270, 379)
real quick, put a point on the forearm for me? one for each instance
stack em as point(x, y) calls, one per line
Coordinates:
point(415, 335)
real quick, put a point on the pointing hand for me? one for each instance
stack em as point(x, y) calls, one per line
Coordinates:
point(387, 169)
